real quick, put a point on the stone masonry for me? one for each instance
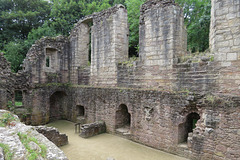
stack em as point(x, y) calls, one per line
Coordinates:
point(59, 139)
point(92, 129)
point(225, 41)
point(162, 40)
point(187, 107)
point(109, 45)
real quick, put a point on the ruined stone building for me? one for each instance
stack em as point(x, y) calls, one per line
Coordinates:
point(190, 108)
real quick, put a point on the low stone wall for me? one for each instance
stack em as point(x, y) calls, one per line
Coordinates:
point(92, 129)
point(53, 135)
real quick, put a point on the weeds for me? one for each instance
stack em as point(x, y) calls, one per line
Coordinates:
point(7, 153)
point(10, 106)
point(7, 119)
point(129, 63)
point(33, 154)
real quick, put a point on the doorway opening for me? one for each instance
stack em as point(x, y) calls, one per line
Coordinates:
point(187, 127)
point(58, 101)
point(123, 119)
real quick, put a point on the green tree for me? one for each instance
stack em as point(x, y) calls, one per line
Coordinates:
point(19, 17)
point(197, 20)
point(133, 7)
point(96, 6)
point(15, 53)
point(44, 30)
point(65, 13)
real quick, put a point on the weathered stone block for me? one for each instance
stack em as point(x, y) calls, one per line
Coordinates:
point(232, 56)
point(92, 129)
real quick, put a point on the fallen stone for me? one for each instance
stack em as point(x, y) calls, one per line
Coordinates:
point(53, 135)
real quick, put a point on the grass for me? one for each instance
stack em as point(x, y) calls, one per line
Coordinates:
point(33, 154)
point(129, 62)
point(18, 103)
point(6, 119)
point(7, 153)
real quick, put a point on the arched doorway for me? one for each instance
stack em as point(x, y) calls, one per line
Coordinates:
point(123, 117)
point(187, 127)
point(58, 103)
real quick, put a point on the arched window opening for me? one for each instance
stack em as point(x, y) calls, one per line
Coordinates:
point(123, 118)
point(187, 127)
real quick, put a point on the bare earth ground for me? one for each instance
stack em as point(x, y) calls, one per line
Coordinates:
point(105, 146)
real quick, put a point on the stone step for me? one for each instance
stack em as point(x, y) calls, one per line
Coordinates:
point(123, 132)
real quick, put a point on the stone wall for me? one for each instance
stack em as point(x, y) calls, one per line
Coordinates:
point(49, 102)
point(225, 41)
point(198, 77)
point(48, 60)
point(53, 135)
point(79, 48)
point(157, 117)
point(6, 84)
point(162, 40)
point(109, 45)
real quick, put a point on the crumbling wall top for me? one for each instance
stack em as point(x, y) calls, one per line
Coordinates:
point(97, 16)
point(156, 3)
point(36, 50)
point(4, 65)
point(106, 13)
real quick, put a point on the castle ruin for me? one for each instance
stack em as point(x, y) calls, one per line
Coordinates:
point(190, 108)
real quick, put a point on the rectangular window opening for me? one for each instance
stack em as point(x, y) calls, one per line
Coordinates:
point(18, 98)
point(47, 61)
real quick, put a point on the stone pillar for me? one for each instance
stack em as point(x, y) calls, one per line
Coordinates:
point(225, 43)
point(109, 45)
point(225, 31)
point(162, 39)
point(79, 43)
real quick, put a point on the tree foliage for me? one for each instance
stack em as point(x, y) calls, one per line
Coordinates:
point(65, 13)
point(15, 53)
point(197, 20)
point(133, 8)
point(19, 17)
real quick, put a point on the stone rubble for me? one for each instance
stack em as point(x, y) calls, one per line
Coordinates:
point(59, 139)
point(9, 136)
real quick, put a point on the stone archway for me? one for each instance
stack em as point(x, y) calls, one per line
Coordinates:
point(187, 127)
point(58, 101)
point(123, 117)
